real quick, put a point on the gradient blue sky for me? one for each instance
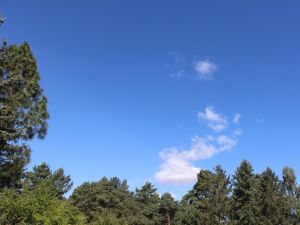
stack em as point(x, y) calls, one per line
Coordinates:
point(122, 86)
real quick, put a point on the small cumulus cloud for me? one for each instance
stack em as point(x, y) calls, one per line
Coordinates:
point(175, 168)
point(205, 69)
point(182, 67)
point(178, 164)
point(215, 121)
point(178, 168)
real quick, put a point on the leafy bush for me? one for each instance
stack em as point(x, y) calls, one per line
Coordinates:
point(40, 206)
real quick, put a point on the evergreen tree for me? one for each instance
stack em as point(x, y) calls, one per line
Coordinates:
point(221, 196)
point(269, 198)
point(187, 215)
point(23, 111)
point(167, 209)
point(95, 198)
point(148, 203)
point(43, 172)
point(210, 196)
point(244, 208)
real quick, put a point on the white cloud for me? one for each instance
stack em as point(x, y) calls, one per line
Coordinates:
point(214, 120)
point(205, 69)
point(226, 143)
point(178, 168)
point(178, 164)
point(236, 118)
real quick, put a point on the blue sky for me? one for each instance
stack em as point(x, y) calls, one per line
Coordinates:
point(152, 90)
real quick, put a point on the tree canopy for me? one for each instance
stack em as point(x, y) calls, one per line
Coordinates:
point(23, 111)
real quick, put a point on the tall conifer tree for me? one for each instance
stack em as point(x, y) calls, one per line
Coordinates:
point(244, 205)
point(210, 196)
point(269, 198)
point(148, 202)
point(168, 208)
point(23, 111)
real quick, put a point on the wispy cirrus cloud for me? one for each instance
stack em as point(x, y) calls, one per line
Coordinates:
point(177, 75)
point(178, 164)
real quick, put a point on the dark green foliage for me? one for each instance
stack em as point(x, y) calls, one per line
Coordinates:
point(110, 199)
point(187, 215)
point(210, 196)
point(148, 204)
point(167, 209)
point(43, 172)
point(255, 199)
point(244, 204)
point(23, 112)
point(93, 198)
point(268, 198)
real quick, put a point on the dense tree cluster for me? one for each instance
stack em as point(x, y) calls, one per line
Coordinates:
point(37, 197)
point(247, 198)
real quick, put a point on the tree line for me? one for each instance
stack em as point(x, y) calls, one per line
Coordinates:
point(38, 196)
point(247, 199)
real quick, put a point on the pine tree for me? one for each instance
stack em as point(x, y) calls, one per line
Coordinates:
point(23, 111)
point(187, 214)
point(222, 193)
point(244, 210)
point(210, 196)
point(96, 199)
point(148, 202)
point(167, 209)
point(268, 198)
point(42, 172)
